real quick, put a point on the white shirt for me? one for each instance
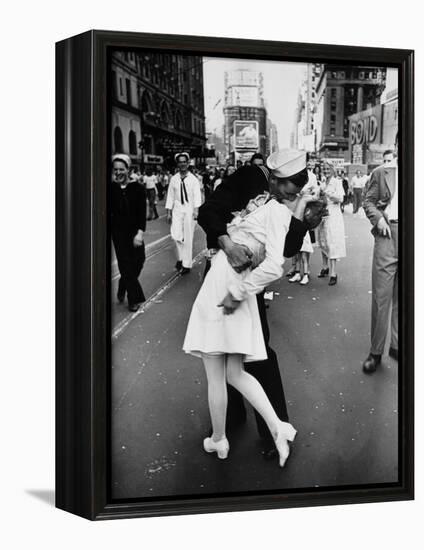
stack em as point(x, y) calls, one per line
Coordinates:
point(392, 208)
point(268, 226)
point(150, 181)
point(192, 186)
point(359, 183)
point(217, 183)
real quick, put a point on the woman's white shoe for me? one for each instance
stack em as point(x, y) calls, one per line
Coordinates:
point(305, 279)
point(220, 447)
point(295, 279)
point(285, 433)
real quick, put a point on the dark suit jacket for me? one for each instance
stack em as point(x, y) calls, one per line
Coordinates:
point(379, 194)
point(128, 209)
point(233, 195)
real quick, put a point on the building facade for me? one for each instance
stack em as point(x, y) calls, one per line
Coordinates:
point(343, 91)
point(303, 135)
point(157, 107)
point(272, 138)
point(373, 131)
point(247, 129)
point(305, 131)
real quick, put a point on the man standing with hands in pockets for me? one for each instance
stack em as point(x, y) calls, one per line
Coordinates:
point(381, 208)
point(182, 206)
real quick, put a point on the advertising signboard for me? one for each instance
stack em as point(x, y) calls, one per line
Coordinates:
point(246, 96)
point(365, 127)
point(153, 159)
point(246, 134)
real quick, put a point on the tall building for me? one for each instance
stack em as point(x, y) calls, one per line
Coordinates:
point(157, 107)
point(304, 131)
point(271, 138)
point(245, 116)
point(342, 91)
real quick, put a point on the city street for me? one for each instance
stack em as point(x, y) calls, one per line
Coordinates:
point(347, 421)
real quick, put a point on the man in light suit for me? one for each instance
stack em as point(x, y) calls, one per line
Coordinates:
point(381, 208)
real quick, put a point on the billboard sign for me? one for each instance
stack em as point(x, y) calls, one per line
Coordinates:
point(245, 96)
point(153, 159)
point(336, 162)
point(246, 134)
point(365, 127)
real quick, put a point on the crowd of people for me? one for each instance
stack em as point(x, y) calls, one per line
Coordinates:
point(185, 188)
point(254, 217)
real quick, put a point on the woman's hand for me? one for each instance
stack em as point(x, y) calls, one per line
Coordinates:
point(229, 304)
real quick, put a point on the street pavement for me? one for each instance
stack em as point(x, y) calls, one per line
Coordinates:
point(347, 421)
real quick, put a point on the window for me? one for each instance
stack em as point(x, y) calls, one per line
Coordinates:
point(128, 86)
point(117, 140)
point(121, 91)
point(132, 141)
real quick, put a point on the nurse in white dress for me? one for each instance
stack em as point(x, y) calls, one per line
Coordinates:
point(182, 205)
point(300, 262)
point(331, 231)
point(224, 327)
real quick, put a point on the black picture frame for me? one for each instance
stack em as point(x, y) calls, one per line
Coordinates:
point(82, 272)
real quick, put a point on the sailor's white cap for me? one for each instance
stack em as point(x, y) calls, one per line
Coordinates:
point(183, 154)
point(286, 162)
point(123, 158)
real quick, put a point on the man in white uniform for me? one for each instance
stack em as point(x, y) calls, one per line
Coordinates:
point(182, 206)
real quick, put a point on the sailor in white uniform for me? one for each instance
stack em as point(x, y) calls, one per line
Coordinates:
point(182, 206)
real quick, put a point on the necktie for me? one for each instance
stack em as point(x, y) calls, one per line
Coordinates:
point(183, 191)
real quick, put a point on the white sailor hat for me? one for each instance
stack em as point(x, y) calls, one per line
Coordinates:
point(286, 162)
point(183, 154)
point(123, 158)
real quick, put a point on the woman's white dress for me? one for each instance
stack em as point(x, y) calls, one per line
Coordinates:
point(310, 188)
point(331, 231)
point(264, 232)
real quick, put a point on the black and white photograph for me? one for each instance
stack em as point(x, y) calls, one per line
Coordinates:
point(253, 213)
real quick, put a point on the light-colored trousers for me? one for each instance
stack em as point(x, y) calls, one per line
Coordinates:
point(182, 231)
point(384, 291)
